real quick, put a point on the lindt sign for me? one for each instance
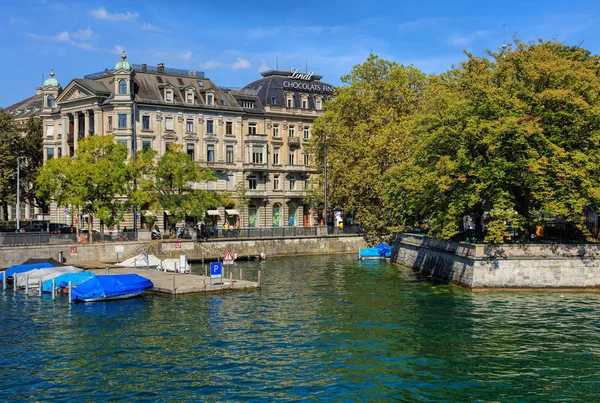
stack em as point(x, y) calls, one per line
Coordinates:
point(297, 75)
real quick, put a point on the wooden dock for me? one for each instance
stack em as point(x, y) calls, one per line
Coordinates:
point(177, 283)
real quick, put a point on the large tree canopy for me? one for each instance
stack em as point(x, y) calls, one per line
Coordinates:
point(364, 128)
point(513, 135)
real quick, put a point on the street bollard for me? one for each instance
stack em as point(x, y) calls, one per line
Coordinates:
point(107, 270)
point(259, 278)
point(231, 280)
point(15, 283)
point(3, 281)
point(40, 288)
point(241, 274)
point(53, 290)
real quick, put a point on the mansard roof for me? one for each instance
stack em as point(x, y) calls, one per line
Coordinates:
point(26, 108)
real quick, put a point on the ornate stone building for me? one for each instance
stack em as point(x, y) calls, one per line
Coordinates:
point(257, 134)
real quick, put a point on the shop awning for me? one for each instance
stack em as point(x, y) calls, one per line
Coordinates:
point(213, 212)
point(232, 212)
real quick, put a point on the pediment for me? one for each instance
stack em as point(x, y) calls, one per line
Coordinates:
point(74, 92)
point(170, 136)
point(190, 137)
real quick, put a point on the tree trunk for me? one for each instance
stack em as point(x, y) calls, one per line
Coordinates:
point(91, 229)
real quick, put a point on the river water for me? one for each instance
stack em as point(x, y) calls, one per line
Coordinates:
point(322, 329)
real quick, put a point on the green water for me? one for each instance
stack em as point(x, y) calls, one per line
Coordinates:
point(323, 329)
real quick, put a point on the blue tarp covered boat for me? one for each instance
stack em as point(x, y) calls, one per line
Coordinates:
point(380, 252)
point(21, 268)
point(63, 280)
point(109, 287)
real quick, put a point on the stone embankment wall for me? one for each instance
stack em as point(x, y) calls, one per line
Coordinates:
point(557, 266)
point(106, 252)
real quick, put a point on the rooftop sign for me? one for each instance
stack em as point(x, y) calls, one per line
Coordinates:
point(297, 75)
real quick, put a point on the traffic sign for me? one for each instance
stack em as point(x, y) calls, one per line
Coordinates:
point(216, 270)
point(228, 259)
point(73, 250)
point(177, 245)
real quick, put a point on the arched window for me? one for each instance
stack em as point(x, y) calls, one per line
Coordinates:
point(292, 210)
point(252, 216)
point(277, 215)
point(122, 87)
point(50, 101)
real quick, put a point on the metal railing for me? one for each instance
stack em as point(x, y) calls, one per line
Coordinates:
point(346, 229)
point(271, 232)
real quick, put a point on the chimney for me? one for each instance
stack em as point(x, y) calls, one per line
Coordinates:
point(144, 67)
point(160, 67)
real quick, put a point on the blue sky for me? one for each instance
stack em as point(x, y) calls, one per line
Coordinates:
point(231, 41)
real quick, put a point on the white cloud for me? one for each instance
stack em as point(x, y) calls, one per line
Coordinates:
point(83, 34)
point(465, 40)
point(211, 64)
point(240, 64)
point(263, 66)
point(146, 26)
point(60, 37)
point(101, 14)
point(118, 49)
point(86, 46)
point(186, 56)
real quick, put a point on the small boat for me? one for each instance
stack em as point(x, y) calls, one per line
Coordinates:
point(111, 287)
point(174, 266)
point(25, 267)
point(380, 252)
point(63, 280)
point(141, 261)
point(35, 277)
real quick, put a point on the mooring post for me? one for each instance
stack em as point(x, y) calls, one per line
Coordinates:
point(259, 278)
point(173, 284)
point(27, 285)
point(3, 281)
point(204, 282)
point(231, 280)
point(70, 294)
point(241, 274)
point(15, 283)
point(205, 271)
point(40, 288)
point(107, 270)
point(53, 289)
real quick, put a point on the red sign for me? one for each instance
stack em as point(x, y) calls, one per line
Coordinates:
point(73, 250)
point(228, 258)
point(177, 245)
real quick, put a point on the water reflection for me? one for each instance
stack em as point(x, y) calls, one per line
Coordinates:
point(325, 328)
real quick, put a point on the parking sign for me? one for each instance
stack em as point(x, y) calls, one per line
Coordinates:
point(216, 270)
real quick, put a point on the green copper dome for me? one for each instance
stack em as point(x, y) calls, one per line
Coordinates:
point(123, 64)
point(51, 81)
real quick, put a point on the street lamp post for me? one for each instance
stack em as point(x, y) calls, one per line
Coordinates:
point(18, 193)
point(134, 151)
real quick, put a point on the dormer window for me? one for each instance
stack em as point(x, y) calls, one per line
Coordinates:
point(248, 104)
point(122, 87)
point(189, 97)
point(50, 103)
point(168, 95)
point(209, 99)
point(318, 104)
point(290, 102)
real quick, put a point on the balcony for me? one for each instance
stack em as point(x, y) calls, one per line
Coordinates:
point(296, 168)
point(256, 138)
point(294, 141)
point(256, 193)
point(256, 167)
point(294, 193)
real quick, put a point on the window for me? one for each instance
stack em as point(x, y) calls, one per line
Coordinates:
point(275, 130)
point(168, 146)
point(291, 157)
point(292, 183)
point(210, 153)
point(251, 128)
point(318, 104)
point(306, 183)
point(292, 131)
point(49, 153)
point(122, 87)
point(229, 154)
point(169, 123)
point(124, 142)
point(49, 131)
point(248, 104)
point(190, 150)
point(189, 125)
point(169, 95)
point(228, 127)
point(59, 152)
point(257, 155)
point(146, 144)
point(304, 104)
point(276, 156)
point(159, 79)
point(252, 182)
point(273, 101)
point(209, 99)
point(180, 81)
point(50, 101)
point(306, 159)
point(209, 126)
point(110, 123)
point(276, 182)
point(222, 102)
point(145, 122)
point(122, 121)
point(200, 83)
point(306, 133)
point(190, 97)
point(290, 103)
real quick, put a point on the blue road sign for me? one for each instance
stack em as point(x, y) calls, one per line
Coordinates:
point(216, 270)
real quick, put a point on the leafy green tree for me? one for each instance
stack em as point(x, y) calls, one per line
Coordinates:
point(9, 135)
point(505, 137)
point(96, 181)
point(241, 197)
point(364, 129)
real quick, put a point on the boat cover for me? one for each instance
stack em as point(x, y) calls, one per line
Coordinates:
point(54, 262)
point(62, 280)
point(382, 250)
point(172, 265)
point(22, 268)
point(108, 286)
point(47, 273)
point(140, 261)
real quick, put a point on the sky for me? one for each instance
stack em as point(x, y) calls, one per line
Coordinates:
point(233, 41)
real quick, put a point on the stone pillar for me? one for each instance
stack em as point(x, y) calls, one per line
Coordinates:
point(65, 134)
point(75, 130)
point(86, 126)
point(99, 122)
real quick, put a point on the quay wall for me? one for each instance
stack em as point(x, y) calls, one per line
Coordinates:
point(106, 251)
point(509, 266)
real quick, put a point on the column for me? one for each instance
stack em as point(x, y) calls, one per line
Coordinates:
point(99, 122)
point(86, 125)
point(75, 130)
point(65, 134)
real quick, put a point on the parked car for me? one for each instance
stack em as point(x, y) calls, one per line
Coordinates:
point(96, 236)
point(65, 232)
point(34, 228)
point(156, 234)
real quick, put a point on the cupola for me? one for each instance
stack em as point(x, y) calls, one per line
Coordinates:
point(123, 64)
point(51, 81)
